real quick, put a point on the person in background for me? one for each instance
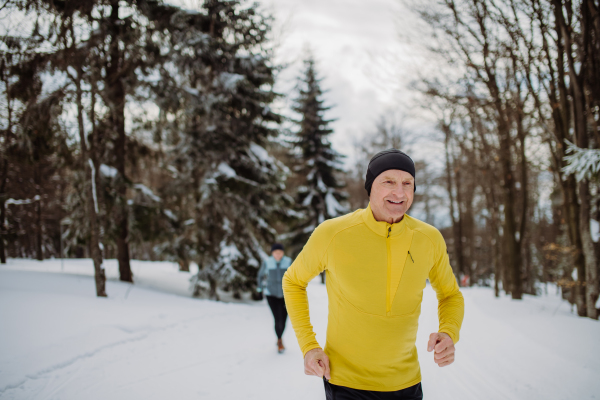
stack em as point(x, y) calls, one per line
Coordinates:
point(271, 271)
point(377, 261)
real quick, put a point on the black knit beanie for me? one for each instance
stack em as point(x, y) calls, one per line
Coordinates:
point(276, 246)
point(385, 160)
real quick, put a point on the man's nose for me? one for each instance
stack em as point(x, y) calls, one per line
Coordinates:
point(400, 192)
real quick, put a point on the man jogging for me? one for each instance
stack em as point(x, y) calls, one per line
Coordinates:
point(272, 270)
point(377, 261)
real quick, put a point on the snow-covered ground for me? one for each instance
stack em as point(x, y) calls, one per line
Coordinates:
point(150, 341)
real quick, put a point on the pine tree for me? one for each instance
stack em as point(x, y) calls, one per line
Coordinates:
point(320, 195)
point(216, 118)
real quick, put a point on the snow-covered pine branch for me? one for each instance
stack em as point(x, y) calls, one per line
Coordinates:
point(583, 163)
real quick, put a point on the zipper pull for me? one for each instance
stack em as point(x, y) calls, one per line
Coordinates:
point(389, 231)
point(411, 257)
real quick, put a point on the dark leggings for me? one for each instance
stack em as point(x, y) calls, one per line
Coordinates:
point(279, 312)
point(334, 392)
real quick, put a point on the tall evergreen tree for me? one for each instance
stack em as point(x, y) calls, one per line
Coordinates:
point(319, 195)
point(214, 95)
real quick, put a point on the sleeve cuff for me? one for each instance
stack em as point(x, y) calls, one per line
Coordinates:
point(310, 347)
point(453, 335)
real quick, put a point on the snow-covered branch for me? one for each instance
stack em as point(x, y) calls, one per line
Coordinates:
point(22, 202)
point(583, 163)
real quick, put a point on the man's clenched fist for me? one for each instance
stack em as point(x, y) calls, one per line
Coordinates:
point(443, 346)
point(316, 363)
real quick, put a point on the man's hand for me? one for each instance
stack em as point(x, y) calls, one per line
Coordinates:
point(316, 363)
point(443, 346)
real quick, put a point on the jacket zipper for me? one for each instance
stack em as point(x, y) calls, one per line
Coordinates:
point(277, 266)
point(389, 271)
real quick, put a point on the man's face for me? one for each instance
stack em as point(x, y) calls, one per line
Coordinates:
point(392, 195)
point(277, 255)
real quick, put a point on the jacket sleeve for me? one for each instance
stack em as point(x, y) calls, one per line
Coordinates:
point(451, 304)
point(260, 278)
point(310, 262)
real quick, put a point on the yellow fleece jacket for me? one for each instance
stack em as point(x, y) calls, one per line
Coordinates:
point(376, 274)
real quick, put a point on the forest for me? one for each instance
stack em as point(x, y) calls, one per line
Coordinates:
point(143, 130)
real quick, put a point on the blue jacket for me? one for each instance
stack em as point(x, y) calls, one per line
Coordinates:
point(272, 271)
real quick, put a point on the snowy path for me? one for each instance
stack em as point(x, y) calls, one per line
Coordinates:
point(57, 341)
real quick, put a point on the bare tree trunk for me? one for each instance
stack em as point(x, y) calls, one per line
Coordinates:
point(522, 243)
point(2, 231)
point(184, 265)
point(90, 168)
point(589, 54)
point(456, 231)
point(212, 294)
point(513, 256)
point(496, 252)
point(590, 279)
point(116, 96)
point(39, 253)
point(494, 224)
point(4, 177)
point(585, 293)
point(468, 223)
point(95, 252)
point(3, 210)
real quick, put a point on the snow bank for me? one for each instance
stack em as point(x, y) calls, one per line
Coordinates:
point(60, 341)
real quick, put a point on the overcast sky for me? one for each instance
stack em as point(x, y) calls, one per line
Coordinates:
point(365, 65)
point(354, 43)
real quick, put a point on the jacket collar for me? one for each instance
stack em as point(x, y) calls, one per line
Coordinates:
point(381, 227)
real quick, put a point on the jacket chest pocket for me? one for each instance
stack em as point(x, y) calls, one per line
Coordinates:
point(410, 289)
point(361, 278)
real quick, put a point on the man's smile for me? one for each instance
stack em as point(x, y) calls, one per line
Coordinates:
point(396, 202)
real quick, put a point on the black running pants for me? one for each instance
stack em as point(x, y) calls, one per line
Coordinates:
point(335, 392)
point(279, 313)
